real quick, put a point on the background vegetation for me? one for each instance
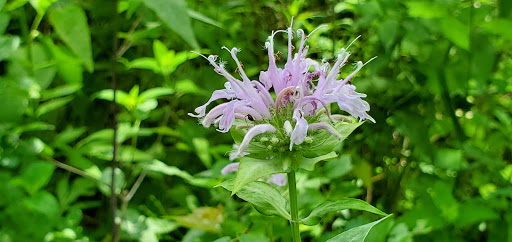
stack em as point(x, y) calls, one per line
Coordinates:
point(439, 156)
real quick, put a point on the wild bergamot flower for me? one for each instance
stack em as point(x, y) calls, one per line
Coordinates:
point(287, 108)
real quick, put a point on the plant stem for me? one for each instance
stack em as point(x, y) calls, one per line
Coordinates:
point(294, 222)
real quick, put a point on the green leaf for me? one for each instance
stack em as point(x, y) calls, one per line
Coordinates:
point(426, 9)
point(4, 22)
point(325, 142)
point(13, 101)
point(155, 92)
point(201, 145)
point(60, 91)
point(106, 178)
point(51, 105)
point(146, 63)
point(347, 203)
point(456, 32)
point(499, 27)
point(69, 66)
point(251, 169)
point(70, 23)
point(264, 197)
point(121, 97)
point(203, 18)
point(387, 33)
point(309, 163)
point(374, 232)
point(174, 15)
point(158, 166)
point(35, 176)
point(8, 45)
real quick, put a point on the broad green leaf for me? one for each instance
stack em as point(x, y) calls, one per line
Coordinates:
point(174, 15)
point(158, 166)
point(251, 169)
point(372, 232)
point(264, 197)
point(309, 163)
point(103, 151)
point(35, 176)
point(347, 203)
point(70, 23)
point(449, 159)
point(8, 45)
point(51, 105)
point(456, 32)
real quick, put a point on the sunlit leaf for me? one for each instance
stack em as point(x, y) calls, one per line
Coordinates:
point(204, 218)
point(264, 197)
point(251, 169)
point(52, 105)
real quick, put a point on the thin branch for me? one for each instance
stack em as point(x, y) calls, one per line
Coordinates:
point(71, 169)
point(113, 195)
point(126, 43)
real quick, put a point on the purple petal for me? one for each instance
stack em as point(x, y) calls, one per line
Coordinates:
point(301, 129)
point(325, 126)
point(231, 167)
point(277, 179)
point(258, 129)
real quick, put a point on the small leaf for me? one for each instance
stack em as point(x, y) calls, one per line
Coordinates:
point(106, 178)
point(264, 197)
point(251, 169)
point(35, 176)
point(203, 18)
point(8, 45)
point(174, 15)
point(51, 105)
point(202, 146)
point(309, 163)
point(387, 33)
point(347, 203)
point(456, 31)
point(204, 218)
point(155, 92)
point(374, 232)
point(158, 166)
point(60, 91)
point(325, 143)
point(70, 23)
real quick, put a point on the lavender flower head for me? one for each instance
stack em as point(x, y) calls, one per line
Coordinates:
point(295, 115)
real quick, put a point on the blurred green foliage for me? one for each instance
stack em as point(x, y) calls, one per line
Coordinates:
point(439, 157)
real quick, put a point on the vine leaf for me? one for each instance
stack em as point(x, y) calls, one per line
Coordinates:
point(264, 197)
